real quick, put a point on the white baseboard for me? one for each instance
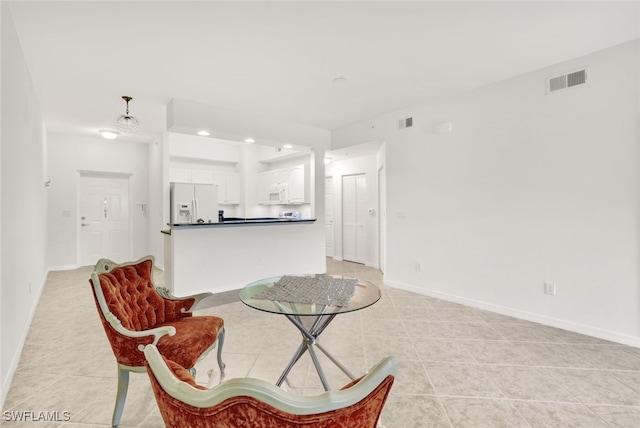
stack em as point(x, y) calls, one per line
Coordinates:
point(370, 264)
point(15, 360)
point(588, 330)
point(64, 267)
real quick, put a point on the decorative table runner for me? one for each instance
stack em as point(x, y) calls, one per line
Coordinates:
point(303, 289)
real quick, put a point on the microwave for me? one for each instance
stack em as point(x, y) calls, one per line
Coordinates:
point(278, 194)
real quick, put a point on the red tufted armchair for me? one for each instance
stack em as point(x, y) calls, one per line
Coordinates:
point(134, 314)
point(254, 403)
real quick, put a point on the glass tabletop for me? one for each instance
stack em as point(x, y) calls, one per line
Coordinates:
point(365, 294)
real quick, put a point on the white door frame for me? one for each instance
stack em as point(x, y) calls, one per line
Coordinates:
point(329, 179)
point(101, 174)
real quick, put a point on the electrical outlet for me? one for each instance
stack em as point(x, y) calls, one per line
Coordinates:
point(418, 266)
point(550, 288)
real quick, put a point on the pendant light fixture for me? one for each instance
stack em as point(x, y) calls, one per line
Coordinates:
point(125, 122)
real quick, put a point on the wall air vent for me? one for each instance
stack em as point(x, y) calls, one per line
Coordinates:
point(577, 78)
point(565, 81)
point(405, 123)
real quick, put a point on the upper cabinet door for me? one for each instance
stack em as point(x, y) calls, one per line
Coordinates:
point(233, 188)
point(228, 187)
point(193, 176)
point(298, 181)
point(201, 176)
point(180, 175)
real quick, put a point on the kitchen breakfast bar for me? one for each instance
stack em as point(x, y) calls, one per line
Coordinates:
point(225, 256)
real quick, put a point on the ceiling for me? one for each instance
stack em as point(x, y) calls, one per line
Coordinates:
point(280, 59)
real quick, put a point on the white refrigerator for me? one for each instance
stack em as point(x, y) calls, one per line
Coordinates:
point(193, 203)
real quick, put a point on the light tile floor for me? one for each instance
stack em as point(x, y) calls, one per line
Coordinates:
point(459, 366)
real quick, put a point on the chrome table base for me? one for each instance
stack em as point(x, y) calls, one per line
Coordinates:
point(309, 342)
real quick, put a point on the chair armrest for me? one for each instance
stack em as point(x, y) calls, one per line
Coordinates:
point(166, 293)
point(156, 332)
point(267, 392)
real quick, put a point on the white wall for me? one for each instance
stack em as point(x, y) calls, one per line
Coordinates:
point(155, 209)
point(69, 154)
point(23, 172)
point(527, 188)
point(3, 372)
point(366, 165)
point(217, 259)
point(190, 116)
point(203, 148)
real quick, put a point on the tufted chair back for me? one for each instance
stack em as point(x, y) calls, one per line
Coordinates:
point(132, 298)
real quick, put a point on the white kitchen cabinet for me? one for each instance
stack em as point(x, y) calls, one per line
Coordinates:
point(298, 184)
point(201, 176)
point(228, 187)
point(284, 186)
point(180, 175)
point(265, 187)
point(194, 176)
point(233, 188)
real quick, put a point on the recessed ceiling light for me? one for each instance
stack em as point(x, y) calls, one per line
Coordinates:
point(109, 135)
point(203, 133)
point(249, 140)
point(287, 146)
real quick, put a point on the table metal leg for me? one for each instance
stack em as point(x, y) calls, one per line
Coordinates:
point(301, 350)
point(309, 340)
point(316, 363)
point(336, 362)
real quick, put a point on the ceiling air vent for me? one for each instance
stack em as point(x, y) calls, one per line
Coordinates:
point(565, 81)
point(405, 123)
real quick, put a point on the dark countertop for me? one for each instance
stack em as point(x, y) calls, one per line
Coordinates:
point(238, 221)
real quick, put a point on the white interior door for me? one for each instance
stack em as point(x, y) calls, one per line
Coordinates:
point(354, 217)
point(382, 218)
point(361, 218)
point(104, 218)
point(328, 217)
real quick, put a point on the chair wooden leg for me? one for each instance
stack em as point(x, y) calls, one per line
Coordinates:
point(220, 343)
point(123, 386)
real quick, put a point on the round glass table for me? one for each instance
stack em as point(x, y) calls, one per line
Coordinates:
point(316, 306)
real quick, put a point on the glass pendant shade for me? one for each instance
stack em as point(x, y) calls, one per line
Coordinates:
point(126, 123)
